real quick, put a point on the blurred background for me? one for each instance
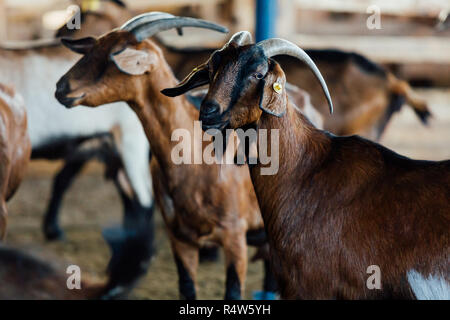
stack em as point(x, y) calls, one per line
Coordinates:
point(412, 41)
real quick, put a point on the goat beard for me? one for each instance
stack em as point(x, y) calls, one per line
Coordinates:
point(248, 147)
point(225, 134)
point(224, 138)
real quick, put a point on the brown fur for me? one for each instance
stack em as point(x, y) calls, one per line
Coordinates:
point(200, 203)
point(337, 204)
point(15, 148)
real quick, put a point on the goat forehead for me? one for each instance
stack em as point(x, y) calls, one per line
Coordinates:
point(231, 76)
point(94, 62)
point(112, 40)
point(243, 59)
point(88, 65)
point(235, 64)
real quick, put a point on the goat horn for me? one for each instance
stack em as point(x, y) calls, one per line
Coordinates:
point(146, 28)
point(275, 46)
point(144, 18)
point(241, 38)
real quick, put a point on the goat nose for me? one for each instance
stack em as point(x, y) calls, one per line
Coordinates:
point(209, 109)
point(210, 116)
point(62, 87)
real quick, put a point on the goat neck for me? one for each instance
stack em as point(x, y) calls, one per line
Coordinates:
point(302, 148)
point(161, 115)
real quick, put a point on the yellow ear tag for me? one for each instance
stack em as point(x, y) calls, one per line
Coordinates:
point(277, 87)
point(90, 5)
point(195, 69)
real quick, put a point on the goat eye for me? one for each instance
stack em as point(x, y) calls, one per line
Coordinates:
point(258, 75)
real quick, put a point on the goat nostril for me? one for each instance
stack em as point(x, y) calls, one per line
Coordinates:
point(62, 87)
point(210, 108)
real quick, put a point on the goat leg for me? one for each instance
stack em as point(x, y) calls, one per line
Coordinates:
point(137, 218)
point(61, 183)
point(235, 248)
point(186, 259)
point(270, 283)
point(3, 220)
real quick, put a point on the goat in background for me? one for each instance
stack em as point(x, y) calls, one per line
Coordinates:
point(15, 148)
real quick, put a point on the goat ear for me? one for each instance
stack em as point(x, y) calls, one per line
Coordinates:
point(119, 3)
point(133, 62)
point(273, 94)
point(198, 77)
point(82, 46)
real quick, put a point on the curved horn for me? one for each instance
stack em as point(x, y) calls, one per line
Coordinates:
point(275, 46)
point(144, 18)
point(241, 38)
point(146, 30)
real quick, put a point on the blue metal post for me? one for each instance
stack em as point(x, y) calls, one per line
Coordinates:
point(266, 13)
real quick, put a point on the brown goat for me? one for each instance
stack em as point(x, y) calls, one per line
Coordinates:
point(200, 204)
point(337, 204)
point(15, 148)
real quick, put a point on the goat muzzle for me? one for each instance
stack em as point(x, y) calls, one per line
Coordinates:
point(69, 102)
point(62, 90)
point(211, 117)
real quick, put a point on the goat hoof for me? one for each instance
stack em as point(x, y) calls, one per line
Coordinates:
point(53, 233)
point(209, 254)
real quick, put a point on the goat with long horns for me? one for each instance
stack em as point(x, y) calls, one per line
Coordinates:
point(338, 205)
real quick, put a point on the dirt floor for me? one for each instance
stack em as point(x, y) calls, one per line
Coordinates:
point(92, 204)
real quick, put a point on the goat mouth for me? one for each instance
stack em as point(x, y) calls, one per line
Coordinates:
point(218, 125)
point(70, 102)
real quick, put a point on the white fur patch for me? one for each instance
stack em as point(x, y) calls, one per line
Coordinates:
point(431, 288)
